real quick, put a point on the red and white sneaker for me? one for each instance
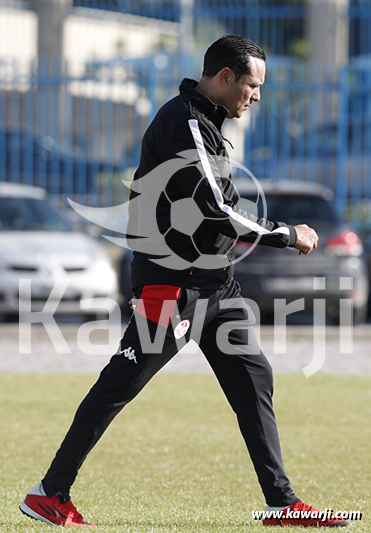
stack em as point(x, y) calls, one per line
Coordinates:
point(301, 514)
point(51, 509)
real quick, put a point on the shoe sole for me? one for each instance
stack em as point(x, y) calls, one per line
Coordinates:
point(32, 514)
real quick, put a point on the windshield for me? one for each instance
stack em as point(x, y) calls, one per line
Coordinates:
point(293, 209)
point(29, 214)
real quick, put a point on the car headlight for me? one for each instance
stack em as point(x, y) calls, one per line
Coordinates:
point(102, 268)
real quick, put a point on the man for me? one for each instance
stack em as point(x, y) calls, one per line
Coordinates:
point(234, 71)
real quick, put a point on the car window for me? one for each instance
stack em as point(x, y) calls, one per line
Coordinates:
point(293, 209)
point(29, 214)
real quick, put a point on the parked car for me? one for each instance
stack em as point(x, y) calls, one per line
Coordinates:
point(367, 246)
point(38, 244)
point(268, 273)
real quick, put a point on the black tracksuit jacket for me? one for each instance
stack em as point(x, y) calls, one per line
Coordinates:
point(192, 121)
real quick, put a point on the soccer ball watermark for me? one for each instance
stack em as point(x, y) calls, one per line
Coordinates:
point(185, 228)
point(158, 236)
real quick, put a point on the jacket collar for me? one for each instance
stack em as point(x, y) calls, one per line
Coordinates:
point(214, 112)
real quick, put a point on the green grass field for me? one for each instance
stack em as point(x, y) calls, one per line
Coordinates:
point(174, 459)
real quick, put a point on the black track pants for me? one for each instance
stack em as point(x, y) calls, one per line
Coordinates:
point(222, 324)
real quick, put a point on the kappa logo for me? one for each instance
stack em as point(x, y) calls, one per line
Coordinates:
point(181, 329)
point(129, 353)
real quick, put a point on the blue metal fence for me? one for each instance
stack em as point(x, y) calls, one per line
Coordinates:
point(360, 28)
point(57, 132)
point(79, 135)
point(54, 134)
point(278, 25)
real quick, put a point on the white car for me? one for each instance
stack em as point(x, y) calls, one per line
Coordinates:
point(37, 244)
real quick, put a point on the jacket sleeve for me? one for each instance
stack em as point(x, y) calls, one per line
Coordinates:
point(202, 178)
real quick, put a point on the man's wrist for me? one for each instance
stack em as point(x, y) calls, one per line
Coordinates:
point(293, 237)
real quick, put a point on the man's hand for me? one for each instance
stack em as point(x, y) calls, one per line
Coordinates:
point(307, 239)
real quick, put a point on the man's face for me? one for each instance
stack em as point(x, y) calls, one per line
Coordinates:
point(238, 97)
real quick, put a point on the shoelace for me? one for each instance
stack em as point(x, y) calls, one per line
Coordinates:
point(305, 507)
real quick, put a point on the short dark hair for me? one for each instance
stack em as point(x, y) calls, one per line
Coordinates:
point(233, 52)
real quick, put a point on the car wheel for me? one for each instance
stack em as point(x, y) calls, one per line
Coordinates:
point(360, 315)
point(9, 318)
point(267, 318)
point(91, 317)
